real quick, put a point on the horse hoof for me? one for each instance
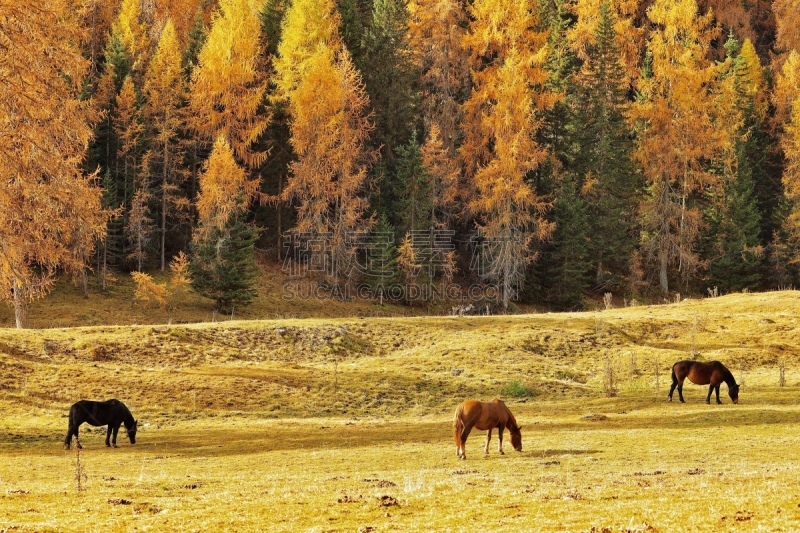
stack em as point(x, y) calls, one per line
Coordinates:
point(80, 447)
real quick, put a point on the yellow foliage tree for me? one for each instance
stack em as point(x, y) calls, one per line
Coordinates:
point(132, 33)
point(148, 291)
point(677, 133)
point(229, 84)
point(500, 120)
point(164, 93)
point(436, 34)
point(50, 207)
point(327, 105)
point(445, 172)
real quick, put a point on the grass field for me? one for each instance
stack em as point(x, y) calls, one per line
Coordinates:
point(344, 424)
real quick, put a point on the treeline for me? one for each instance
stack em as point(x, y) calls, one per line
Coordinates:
point(550, 149)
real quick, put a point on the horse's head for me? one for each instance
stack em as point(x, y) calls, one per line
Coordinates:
point(733, 391)
point(516, 437)
point(132, 431)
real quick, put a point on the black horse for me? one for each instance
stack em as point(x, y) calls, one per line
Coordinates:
point(111, 412)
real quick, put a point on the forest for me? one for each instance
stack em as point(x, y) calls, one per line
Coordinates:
point(552, 150)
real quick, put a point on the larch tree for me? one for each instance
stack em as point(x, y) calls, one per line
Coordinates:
point(327, 106)
point(500, 120)
point(229, 83)
point(164, 94)
point(436, 36)
point(51, 210)
point(677, 134)
point(132, 33)
point(222, 266)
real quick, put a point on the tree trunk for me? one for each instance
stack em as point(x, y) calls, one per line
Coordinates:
point(20, 306)
point(662, 272)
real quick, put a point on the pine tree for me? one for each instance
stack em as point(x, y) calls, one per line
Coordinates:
point(734, 251)
point(436, 36)
point(389, 77)
point(51, 214)
point(603, 157)
point(222, 265)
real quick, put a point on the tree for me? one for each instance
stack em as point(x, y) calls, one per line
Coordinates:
point(164, 96)
point(51, 208)
point(229, 83)
point(500, 119)
point(437, 30)
point(327, 106)
point(603, 154)
point(389, 77)
point(733, 243)
point(222, 266)
point(677, 134)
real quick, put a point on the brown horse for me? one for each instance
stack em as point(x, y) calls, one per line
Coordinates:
point(712, 373)
point(484, 416)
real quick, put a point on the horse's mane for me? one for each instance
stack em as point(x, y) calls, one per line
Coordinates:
point(128, 419)
point(508, 411)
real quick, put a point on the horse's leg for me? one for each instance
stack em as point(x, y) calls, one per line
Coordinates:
point(464, 434)
point(68, 439)
point(500, 439)
point(488, 438)
point(114, 436)
point(77, 438)
point(717, 391)
point(680, 392)
point(108, 436)
point(672, 388)
point(710, 390)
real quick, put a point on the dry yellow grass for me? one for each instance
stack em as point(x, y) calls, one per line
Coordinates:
point(345, 424)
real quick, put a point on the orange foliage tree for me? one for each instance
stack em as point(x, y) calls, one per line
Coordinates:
point(677, 133)
point(436, 32)
point(50, 206)
point(500, 120)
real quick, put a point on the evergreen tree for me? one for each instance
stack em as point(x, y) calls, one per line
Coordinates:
point(223, 268)
point(603, 156)
point(733, 251)
point(389, 75)
point(565, 264)
point(415, 201)
point(222, 265)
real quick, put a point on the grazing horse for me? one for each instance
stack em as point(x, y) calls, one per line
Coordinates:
point(712, 373)
point(111, 412)
point(484, 416)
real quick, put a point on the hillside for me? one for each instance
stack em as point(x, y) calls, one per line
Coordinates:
point(383, 366)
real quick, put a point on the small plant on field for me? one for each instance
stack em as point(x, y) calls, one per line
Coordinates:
point(80, 472)
point(516, 389)
point(781, 373)
point(609, 379)
point(634, 366)
point(149, 291)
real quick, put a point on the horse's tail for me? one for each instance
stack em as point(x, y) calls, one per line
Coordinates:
point(674, 377)
point(458, 425)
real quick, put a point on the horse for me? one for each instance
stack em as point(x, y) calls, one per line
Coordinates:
point(712, 373)
point(485, 416)
point(111, 412)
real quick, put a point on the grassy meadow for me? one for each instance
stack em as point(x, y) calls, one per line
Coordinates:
point(344, 424)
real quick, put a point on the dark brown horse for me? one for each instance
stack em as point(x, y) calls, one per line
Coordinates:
point(712, 373)
point(484, 416)
point(111, 412)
